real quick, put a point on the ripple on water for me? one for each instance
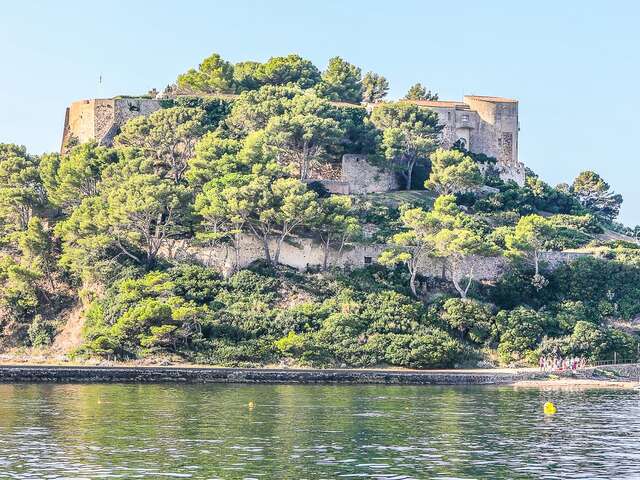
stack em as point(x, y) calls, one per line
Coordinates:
point(390, 432)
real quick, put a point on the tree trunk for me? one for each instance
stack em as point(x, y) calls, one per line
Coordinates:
point(265, 246)
point(325, 259)
point(412, 280)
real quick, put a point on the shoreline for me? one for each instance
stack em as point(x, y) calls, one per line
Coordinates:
point(517, 378)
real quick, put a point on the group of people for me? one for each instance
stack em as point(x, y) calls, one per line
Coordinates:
point(556, 363)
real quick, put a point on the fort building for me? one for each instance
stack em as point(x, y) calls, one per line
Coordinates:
point(480, 124)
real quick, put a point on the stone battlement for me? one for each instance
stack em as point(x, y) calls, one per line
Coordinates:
point(100, 119)
point(481, 124)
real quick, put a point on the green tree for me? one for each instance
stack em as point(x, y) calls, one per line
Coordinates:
point(410, 134)
point(291, 69)
point(268, 208)
point(224, 206)
point(302, 135)
point(77, 175)
point(168, 136)
point(36, 247)
point(21, 189)
point(252, 110)
point(148, 212)
point(374, 87)
point(413, 246)
point(341, 81)
point(85, 238)
point(595, 194)
point(278, 208)
point(456, 241)
point(528, 241)
point(470, 318)
point(336, 225)
point(18, 293)
point(453, 172)
point(214, 75)
point(520, 332)
point(245, 76)
point(419, 92)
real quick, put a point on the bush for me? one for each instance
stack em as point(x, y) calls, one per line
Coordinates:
point(520, 331)
point(470, 318)
point(433, 349)
point(40, 332)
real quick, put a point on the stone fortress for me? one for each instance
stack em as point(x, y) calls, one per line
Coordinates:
point(484, 125)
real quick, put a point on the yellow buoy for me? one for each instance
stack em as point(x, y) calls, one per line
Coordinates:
point(251, 405)
point(549, 408)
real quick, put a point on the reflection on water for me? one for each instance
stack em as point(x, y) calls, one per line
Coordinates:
point(209, 431)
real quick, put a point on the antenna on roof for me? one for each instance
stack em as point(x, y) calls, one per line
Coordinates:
point(100, 94)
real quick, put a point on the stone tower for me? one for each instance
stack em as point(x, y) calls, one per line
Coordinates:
point(100, 119)
point(487, 125)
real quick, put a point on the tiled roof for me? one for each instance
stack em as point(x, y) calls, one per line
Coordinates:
point(492, 99)
point(436, 103)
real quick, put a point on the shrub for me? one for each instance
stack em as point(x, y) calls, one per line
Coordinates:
point(520, 332)
point(433, 349)
point(470, 318)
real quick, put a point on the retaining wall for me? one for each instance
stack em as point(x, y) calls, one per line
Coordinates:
point(59, 374)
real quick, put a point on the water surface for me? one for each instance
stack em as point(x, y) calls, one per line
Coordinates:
point(298, 432)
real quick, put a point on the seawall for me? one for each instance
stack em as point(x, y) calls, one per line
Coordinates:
point(85, 374)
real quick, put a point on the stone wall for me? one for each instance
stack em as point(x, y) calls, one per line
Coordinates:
point(101, 119)
point(486, 125)
point(306, 253)
point(497, 131)
point(63, 374)
point(363, 177)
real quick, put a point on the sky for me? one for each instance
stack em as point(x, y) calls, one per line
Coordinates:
point(572, 65)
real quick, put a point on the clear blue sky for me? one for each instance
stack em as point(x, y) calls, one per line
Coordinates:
point(572, 65)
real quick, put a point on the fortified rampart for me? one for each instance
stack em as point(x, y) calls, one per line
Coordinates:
point(481, 124)
point(100, 119)
point(305, 253)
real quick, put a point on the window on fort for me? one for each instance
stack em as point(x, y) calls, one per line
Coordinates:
point(465, 118)
point(367, 260)
point(448, 115)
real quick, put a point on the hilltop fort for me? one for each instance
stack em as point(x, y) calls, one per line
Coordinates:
point(481, 124)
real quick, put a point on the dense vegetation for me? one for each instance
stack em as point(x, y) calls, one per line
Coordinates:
point(93, 227)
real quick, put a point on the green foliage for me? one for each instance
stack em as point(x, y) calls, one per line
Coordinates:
point(410, 134)
point(374, 87)
point(419, 92)
point(167, 137)
point(302, 135)
point(40, 333)
point(433, 349)
point(472, 319)
point(596, 196)
point(341, 81)
point(453, 172)
point(21, 189)
point(520, 331)
point(215, 109)
point(289, 70)
point(74, 176)
point(252, 110)
point(19, 299)
point(214, 75)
